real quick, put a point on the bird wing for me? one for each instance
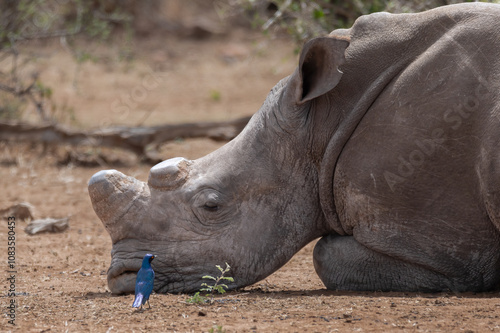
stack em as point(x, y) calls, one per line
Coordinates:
point(144, 283)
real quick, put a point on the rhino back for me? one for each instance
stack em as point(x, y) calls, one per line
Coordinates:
point(419, 178)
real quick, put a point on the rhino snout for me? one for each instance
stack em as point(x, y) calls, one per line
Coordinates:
point(169, 174)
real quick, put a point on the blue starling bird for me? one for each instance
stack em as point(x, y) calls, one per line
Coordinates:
point(144, 282)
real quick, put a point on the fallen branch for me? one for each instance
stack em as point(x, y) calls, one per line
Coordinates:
point(143, 141)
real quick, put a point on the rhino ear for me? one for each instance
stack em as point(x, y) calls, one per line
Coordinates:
point(318, 71)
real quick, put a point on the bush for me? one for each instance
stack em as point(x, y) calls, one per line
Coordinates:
point(307, 19)
point(25, 21)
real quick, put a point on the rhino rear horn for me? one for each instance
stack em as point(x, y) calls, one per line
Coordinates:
point(170, 174)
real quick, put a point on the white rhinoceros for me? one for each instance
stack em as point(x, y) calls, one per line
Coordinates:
point(385, 142)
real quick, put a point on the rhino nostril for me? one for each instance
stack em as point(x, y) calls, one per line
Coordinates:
point(169, 174)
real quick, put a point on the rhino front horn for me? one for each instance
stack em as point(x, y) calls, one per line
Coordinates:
point(169, 174)
point(119, 201)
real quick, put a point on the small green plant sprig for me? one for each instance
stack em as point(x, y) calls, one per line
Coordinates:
point(197, 299)
point(216, 287)
point(216, 329)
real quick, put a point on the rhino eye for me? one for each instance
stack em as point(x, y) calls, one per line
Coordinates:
point(213, 208)
point(208, 206)
point(211, 205)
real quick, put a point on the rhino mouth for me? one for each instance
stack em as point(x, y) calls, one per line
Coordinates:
point(123, 283)
point(122, 276)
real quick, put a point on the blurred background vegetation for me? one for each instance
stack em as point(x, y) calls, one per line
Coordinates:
point(34, 22)
point(307, 19)
point(72, 22)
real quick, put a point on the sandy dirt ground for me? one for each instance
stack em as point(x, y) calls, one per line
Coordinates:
point(60, 279)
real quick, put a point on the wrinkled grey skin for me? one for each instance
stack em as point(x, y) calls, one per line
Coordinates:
point(394, 161)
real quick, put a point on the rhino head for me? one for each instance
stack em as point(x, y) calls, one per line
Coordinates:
point(253, 203)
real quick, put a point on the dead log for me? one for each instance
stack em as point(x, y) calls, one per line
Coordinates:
point(142, 140)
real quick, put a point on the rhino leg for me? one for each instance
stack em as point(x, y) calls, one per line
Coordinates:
point(344, 264)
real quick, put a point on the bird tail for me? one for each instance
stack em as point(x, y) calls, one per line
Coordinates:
point(138, 300)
